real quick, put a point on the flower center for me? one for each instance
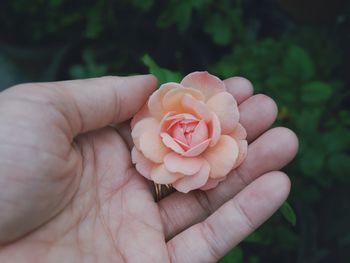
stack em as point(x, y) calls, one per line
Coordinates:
point(188, 132)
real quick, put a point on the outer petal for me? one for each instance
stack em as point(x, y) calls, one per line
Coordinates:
point(208, 84)
point(243, 150)
point(195, 181)
point(222, 156)
point(239, 133)
point(176, 163)
point(161, 175)
point(141, 114)
point(214, 130)
point(142, 126)
point(172, 99)
point(225, 107)
point(155, 104)
point(171, 143)
point(212, 183)
point(152, 146)
point(142, 164)
point(196, 107)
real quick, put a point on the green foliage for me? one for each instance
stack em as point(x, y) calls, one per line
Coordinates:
point(163, 75)
point(300, 66)
point(316, 92)
point(89, 68)
point(179, 13)
point(234, 256)
point(288, 213)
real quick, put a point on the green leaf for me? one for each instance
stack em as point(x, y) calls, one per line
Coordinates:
point(339, 166)
point(163, 75)
point(316, 92)
point(288, 213)
point(178, 14)
point(234, 256)
point(298, 64)
point(218, 29)
point(254, 237)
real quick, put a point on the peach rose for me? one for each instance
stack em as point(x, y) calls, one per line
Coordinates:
point(188, 135)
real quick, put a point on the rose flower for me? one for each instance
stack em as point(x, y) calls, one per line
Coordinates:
point(188, 134)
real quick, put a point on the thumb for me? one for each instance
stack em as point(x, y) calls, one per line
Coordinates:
point(97, 102)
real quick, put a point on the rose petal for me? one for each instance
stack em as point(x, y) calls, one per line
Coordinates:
point(242, 152)
point(171, 143)
point(152, 146)
point(176, 163)
point(196, 107)
point(199, 134)
point(171, 100)
point(155, 104)
point(168, 120)
point(239, 133)
point(208, 84)
point(183, 145)
point(141, 114)
point(161, 175)
point(142, 164)
point(222, 156)
point(214, 130)
point(195, 181)
point(178, 135)
point(143, 126)
point(212, 183)
point(197, 150)
point(225, 107)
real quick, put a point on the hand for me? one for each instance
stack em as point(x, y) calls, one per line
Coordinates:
point(69, 192)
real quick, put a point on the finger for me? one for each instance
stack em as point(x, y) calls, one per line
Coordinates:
point(209, 240)
point(257, 115)
point(90, 104)
point(240, 88)
point(270, 152)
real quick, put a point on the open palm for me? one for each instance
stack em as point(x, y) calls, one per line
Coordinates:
point(70, 193)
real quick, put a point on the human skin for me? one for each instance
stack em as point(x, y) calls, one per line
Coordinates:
point(69, 192)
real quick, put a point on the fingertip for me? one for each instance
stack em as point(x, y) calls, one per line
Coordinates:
point(269, 105)
point(257, 114)
point(241, 88)
point(146, 82)
point(151, 80)
point(280, 185)
point(290, 139)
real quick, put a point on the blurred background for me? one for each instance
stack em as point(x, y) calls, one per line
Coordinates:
point(297, 52)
